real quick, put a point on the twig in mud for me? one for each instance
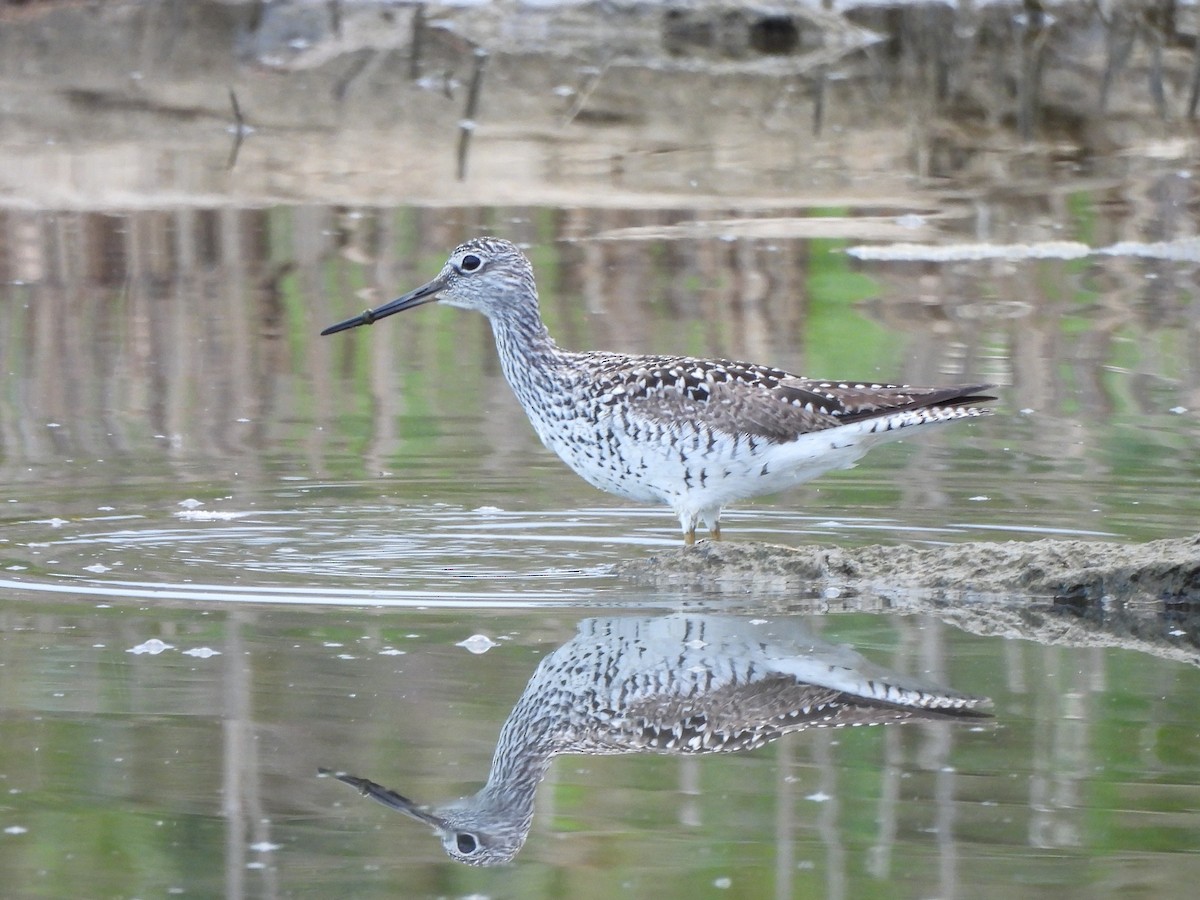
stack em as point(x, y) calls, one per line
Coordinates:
point(467, 125)
point(1194, 95)
point(820, 80)
point(240, 129)
point(418, 43)
point(591, 80)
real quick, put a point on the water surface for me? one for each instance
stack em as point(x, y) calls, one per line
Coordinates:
point(298, 532)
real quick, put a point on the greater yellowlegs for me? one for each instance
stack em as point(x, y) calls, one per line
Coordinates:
point(678, 684)
point(695, 434)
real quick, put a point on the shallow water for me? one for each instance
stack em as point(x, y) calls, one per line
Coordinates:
point(297, 532)
point(146, 772)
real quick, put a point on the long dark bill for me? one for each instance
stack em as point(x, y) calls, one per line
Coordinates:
point(387, 797)
point(424, 294)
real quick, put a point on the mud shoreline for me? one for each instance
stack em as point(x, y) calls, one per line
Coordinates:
point(1143, 597)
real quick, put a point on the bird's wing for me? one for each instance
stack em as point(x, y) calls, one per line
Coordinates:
point(760, 401)
point(748, 715)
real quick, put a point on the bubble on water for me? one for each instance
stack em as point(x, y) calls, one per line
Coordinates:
point(478, 643)
point(202, 652)
point(153, 646)
point(190, 503)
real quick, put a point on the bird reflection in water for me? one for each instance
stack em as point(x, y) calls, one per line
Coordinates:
point(679, 684)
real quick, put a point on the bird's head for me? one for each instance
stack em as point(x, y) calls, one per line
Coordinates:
point(487, 274)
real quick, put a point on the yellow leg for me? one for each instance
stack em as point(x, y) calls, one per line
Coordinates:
point(689, 537)
point(715, 531)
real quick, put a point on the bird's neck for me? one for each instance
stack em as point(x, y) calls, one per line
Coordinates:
point(524, 751)
point(529, 358)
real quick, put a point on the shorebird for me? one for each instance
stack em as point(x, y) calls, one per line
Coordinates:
point(680, 684)
point(694, 434)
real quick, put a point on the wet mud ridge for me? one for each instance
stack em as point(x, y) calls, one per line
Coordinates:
point(1142, 596)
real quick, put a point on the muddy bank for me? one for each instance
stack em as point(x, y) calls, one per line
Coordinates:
point(616, 104)
point(1144, 597)
point(1083, 571)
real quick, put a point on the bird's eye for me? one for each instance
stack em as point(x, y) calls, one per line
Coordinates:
point(470, 263)
point(465, 842)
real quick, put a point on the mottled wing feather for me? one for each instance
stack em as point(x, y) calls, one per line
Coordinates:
point(864, 401)
point(743, 398)
point(745, 716)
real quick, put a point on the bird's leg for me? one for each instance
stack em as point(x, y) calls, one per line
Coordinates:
point(714, 532)
point(688, 521)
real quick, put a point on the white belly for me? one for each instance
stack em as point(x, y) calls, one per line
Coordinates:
point(692, 468)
